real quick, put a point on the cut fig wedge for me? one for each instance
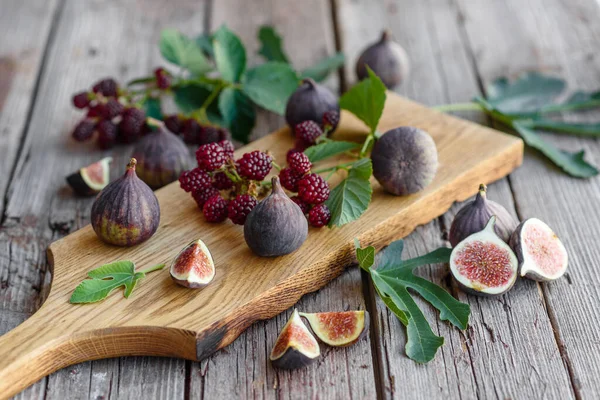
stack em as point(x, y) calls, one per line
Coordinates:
point(193, 267)
point(339, 329)
point(483, 264)
point(295, 347)
point(542, 256)
point(90, 180)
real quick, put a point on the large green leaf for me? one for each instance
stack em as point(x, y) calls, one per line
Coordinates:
point(270, 85)
point(238, 113)
point(183, 51)
point(366, 100)
point(230, 54)
point(328, 149)
point(582, 129)
point(323, 68)
point(271, 47)
point(104, 280)
point(572, 163)
point(351, 197)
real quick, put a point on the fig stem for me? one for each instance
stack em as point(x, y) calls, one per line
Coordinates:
point(309, 81)
point(152, 269)
point(132, 163)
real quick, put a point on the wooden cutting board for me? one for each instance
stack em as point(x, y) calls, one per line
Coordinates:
point(164, 319)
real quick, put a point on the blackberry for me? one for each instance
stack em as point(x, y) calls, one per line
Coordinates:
point(300, 145)
point(255, 165)
point(331, 120)
point(289, 179)
point(239, 208)
point(210, 157)
point(84, 129)
point(163, 78)
point(201, 196)
point(173, 123)
point(313, 189)
point(108, 87)
point(303, 206)
point(107, 134)
point(94, 111)
point(221, 181)
point(132, 125)
point(81, 100)
point(191, 131)
point(208, 134)
point(111, 109)
point(308, 132)
point(299, 162)
point(215, 209)
point(319, 215)
point(224, 134)
point(228, 147)
point(290, 152)
point(194, 180)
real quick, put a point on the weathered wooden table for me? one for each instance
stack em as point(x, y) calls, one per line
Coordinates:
point(538, 341)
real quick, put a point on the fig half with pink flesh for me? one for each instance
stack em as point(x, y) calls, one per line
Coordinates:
point(542, 256)
point(194, 266)
point(483, 264)
point(342, 328)
point(295, 347)
point(90, 180)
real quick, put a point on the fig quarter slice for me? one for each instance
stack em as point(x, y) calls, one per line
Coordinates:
point(339, 329)
point(90, 180)
point(194, 266)
point(295, 347)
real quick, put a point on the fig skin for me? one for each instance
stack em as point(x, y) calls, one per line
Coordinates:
point(162, 157)
point(320, 322)
point(126, 212)
point(405, 160)
point(309, 102)
point(294, 336)
point(276, 226)
point(193, 260)
point(474, 215)
point(83, 184)
point(489, 236)
point(525, 269)
point(387, 59)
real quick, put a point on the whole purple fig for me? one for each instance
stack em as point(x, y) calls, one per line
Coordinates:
point(474, 216)
point(309, 103)
point(126, 212)
point(387, 59)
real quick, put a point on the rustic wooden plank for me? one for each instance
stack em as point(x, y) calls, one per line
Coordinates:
point(476, 363)
point(308, 36)
point(560, 38)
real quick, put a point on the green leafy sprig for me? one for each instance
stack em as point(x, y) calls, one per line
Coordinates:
point(103, 280)
point(392, 277)
point(527, 105)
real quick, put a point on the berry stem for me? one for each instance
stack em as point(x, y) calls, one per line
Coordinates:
point(276, 166)
point(215, 93)
point(335, 168)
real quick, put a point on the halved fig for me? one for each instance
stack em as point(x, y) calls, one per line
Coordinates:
point(542, 256)
point(483, 264)
point(193, 267)
point(342, 328)
point(92, 179)
point(295, 347)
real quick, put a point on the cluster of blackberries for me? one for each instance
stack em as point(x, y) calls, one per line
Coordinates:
point(108, 116)
point(218, 172)
point(194, 132)
point(312, 189)
point(308, 132)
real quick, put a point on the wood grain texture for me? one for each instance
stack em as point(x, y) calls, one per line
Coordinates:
point(492, 358)
point(558, 38)
point(167, 320)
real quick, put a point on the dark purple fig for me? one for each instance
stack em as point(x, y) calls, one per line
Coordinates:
point(309, 103)
point(339, 329)
point(542, 256)
point(475, 215)
point(483, 264)
point(295, 347)
point(387, 59)
point(405, 160)
point(162, 157)
point(92, 179)
point(276, 226)
point(194, 266)
point(126, 212)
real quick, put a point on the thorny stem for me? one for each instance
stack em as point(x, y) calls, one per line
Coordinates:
point(151, 269)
